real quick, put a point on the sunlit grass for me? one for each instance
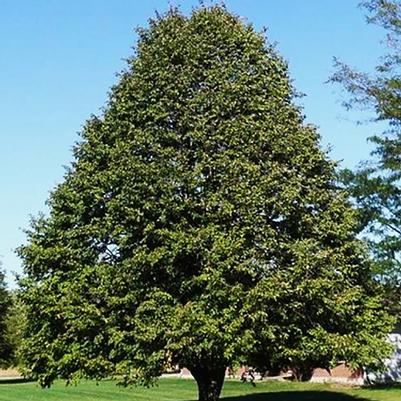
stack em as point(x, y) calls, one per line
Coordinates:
point(185, 390)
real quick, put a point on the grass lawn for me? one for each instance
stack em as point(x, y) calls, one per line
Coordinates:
point(185, 390)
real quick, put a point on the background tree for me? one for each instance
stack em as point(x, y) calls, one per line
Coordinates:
point(198, 225)
point(376, 185)
point(15, 322)
point(7, 350)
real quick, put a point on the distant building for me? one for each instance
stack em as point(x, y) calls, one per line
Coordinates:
point(393, 364)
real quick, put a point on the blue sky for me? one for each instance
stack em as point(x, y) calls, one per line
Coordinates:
point(58, 60)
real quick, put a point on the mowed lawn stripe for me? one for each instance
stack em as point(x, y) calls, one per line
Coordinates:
point(166, 390)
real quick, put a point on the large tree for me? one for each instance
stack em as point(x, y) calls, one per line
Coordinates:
point(376, 184)
point(199, 225)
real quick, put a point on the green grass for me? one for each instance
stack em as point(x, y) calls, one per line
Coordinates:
point(185, 390)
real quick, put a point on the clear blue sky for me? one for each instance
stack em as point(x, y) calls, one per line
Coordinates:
point(59, 58)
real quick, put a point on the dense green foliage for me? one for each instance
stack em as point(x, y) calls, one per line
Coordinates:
point(198, 226)
point(7, 349)
point(376, 185)
point(15, 325)
point(185, 390)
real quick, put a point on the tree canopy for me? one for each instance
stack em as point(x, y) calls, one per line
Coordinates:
point(376, 184)
point(199, 225)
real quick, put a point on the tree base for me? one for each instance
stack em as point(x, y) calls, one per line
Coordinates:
point(209, 381)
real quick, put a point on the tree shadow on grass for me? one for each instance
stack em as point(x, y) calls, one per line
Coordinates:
point(296, 396)
point(385, 386)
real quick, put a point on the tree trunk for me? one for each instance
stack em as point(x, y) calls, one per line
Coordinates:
point(302, 373)
point(210, 382)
